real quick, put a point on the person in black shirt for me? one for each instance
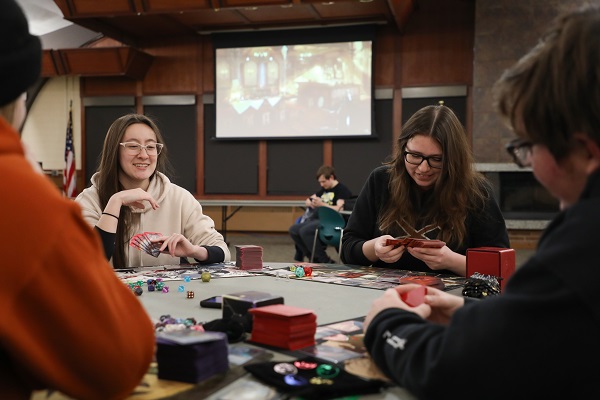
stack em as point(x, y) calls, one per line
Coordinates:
point(429, 190)
point(332, 194)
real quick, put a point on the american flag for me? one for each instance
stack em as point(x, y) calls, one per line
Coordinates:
point(69, 174)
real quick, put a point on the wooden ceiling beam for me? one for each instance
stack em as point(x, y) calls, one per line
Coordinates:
point(401, 10)
point(100, 61)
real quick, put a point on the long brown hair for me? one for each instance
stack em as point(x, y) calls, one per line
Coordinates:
point(458, 189)
point(108, 175)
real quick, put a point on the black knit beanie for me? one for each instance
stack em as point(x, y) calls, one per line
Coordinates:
point(20, 53)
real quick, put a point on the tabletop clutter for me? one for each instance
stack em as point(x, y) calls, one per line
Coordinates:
point(192, 352)
point(189, 352)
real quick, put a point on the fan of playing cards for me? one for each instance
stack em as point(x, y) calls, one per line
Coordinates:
point(143, 242)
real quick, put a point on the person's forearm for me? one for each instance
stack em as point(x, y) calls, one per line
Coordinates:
point(368, 250)
point(200, 253)
point(215, 254)
point(382, 340)
point(109, 219)
point(457, 263)
point(108, 241)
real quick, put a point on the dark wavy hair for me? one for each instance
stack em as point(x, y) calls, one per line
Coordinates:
point(108, 175)
point(458, 189)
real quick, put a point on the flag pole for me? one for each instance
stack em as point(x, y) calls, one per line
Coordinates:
point(70, 173)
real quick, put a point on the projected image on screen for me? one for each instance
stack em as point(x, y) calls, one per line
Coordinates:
point(294, 91)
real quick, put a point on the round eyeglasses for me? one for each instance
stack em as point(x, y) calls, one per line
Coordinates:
point(134, 149)
point(520, 151)
point(417, 159)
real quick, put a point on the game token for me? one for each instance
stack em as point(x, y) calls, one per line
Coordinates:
point(305, 365)
point(315, 380)
point(327, 371)
point(295, 380)
point(285, 369)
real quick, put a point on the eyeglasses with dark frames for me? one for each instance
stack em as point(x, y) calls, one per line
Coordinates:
point(417, 159)
point(133, 148)
point(520, 151)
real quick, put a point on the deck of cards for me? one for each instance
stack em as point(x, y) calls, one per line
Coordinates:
point(413, 242)
point(143, 242)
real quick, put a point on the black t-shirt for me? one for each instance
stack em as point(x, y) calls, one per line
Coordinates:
point(331, 196)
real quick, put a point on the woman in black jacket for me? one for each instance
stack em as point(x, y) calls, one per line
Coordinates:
point(430, 190)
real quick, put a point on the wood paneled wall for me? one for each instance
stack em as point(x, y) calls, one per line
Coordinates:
point(435, 49)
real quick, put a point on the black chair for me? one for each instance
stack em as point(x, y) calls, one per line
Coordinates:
point(330, 230)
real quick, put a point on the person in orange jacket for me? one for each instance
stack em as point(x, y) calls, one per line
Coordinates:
point(69, 324)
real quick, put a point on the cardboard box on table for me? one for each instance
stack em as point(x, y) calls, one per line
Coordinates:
point(496, 261)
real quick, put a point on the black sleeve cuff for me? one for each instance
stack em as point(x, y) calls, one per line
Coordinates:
point(215, 255)
point(108, 242)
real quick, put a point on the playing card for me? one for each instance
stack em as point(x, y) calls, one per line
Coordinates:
point(413, 242)
point(143, 242)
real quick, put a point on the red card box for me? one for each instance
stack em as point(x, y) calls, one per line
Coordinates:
point(496, 261)
point(414, 297)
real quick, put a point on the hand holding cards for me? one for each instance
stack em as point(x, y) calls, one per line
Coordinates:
point(412, 242)
point(144, 242)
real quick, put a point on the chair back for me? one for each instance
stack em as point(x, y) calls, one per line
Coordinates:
point(331, 226)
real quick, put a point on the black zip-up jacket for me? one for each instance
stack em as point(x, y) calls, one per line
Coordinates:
point(484, 228)
point(540, 339)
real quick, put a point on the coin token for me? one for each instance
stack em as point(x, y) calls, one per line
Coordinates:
point(295, 380)
point(285, 369)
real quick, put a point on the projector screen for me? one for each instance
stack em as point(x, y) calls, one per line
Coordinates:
point(294, 89)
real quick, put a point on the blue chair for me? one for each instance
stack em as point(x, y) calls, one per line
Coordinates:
point(330, 230)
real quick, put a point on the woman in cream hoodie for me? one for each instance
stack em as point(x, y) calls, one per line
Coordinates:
point(130, 194)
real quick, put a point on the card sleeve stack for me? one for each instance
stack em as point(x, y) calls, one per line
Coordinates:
point(248, 256)
point(283, 326)
point(191, 356)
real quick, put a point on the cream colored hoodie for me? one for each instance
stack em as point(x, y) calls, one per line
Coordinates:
point(179, 212)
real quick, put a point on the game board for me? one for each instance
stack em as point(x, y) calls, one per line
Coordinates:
point(178, 272)
point(367, 277)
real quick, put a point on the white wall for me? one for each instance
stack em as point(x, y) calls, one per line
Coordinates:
point(45, 128)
